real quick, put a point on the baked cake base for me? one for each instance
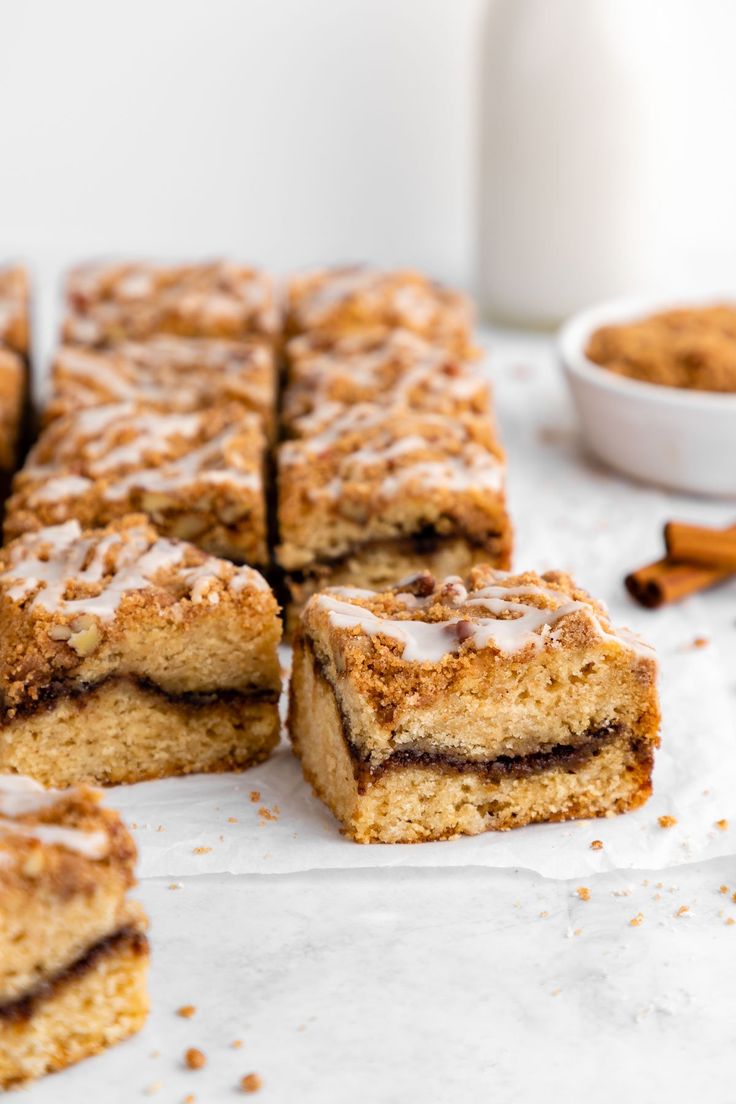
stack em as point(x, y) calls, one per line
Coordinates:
point(124, 730)
point(376, 565)
point(99, 1000)
point(410, 800)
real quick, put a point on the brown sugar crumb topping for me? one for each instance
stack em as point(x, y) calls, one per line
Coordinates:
point(667, 821)
point(583, 893)
point(194, 1058)
point(186, 1010)
point(692, 348)
point(251, 1083)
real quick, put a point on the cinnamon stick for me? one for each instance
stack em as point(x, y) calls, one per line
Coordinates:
point(700, 545)
point(663, 582)
point(697, 558)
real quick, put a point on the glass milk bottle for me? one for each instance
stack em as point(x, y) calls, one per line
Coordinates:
point(577, 136)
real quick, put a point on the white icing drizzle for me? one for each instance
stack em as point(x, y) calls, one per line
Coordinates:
point(21, 796)
point(120, 564)
point(472, 467)
point(429, 642)
point(413, 297)
point(391, 373)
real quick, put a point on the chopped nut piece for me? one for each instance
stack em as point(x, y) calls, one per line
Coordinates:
point(251, 1083)
point(667, 821)
point(194, 1058)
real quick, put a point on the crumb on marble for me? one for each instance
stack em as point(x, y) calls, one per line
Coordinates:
point(682, 910)
point(723, 889)
point(583, 893)
point(186, 1011)
point(269, 814)
point(722, 824)
point(255, 796)
point(730, 921)
point(635, 921)
point(596, 845)
point(194, 1058)
point(236, 1044)
point(251, 1083)
point(232, 820)
point(667, 821)
point(700, 642)
point(201, 850)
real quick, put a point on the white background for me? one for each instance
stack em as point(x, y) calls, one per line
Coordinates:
point(296, 131)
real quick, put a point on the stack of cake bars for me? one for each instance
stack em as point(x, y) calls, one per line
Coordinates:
point(133, 644)
point(432, 695)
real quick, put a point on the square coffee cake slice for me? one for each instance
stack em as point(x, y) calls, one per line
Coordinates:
point(198, 476)
point(125, 655)
point(351, 299)
point(443, 708)
point(167, 374)
point(73, 949)
point(380, 492)
point(133, 300)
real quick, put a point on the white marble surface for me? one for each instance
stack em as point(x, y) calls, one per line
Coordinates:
point(445, 985)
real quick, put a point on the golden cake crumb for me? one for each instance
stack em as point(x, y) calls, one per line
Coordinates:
point(682, 910)
point(186, 1010)
point(637, 920)
point(723, 889)
point(255, 796)
point(250, 1083)
point(701, 642)
point(583, 893)
point(232, 820)
point(202, 850)
point(194, 1058)
point(730, 920)
point(189, 1099)
point(596, 845)
point(667, 821)
point(722, 825)
point(269, 814)
point(236, 1044)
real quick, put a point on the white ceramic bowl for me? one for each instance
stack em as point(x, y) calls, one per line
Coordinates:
point(676, 438)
